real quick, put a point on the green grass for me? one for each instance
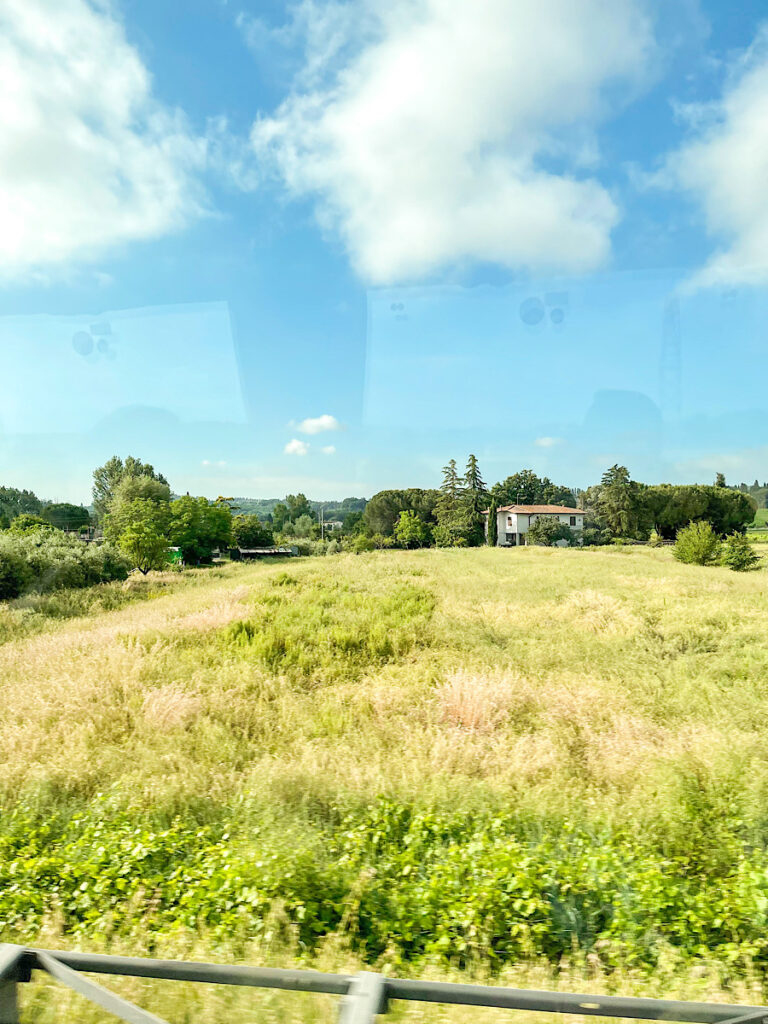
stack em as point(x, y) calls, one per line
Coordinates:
point(483, 761)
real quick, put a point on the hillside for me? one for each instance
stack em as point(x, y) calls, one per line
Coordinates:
point(456, 758)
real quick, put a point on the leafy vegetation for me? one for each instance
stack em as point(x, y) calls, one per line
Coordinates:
point(460, 757)
point(697, 544)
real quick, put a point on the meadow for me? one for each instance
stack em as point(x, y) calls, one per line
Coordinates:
point(538, 766)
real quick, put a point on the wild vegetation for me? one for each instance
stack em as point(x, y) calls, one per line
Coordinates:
point(468, 758)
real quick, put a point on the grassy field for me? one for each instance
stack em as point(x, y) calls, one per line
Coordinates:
point(542, 766)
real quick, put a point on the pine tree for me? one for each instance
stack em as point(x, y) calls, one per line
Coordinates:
point(476, 500)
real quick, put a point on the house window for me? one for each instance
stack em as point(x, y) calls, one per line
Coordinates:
point(509, 520)
point(573, 520)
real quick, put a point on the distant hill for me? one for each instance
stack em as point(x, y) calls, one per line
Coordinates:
point(334, 508)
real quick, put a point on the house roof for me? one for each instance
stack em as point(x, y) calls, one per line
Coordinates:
point(562, 510)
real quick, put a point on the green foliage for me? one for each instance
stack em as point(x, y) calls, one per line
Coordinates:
point(526, 488)
point(142, 486)
point(106, 479)
point(546, 531)
point(617, 504)
point(439, 886)
point(280, 516)
point(140, 528)
point(298, 506)
point(671, 506)
point(65, 516)
point(302, 527)
point(47, 560)
point(26, 523)
point(493, 525)
point(197, 527)
point(739, 555)
point(697, 544)
point(15, 573)
point(248, 531)
point(410, 530)
point(456, 526)
point(14, 502)
point(382, 511)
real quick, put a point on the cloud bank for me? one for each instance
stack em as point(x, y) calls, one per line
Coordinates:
point(723, 166)
point(89, 158)
point(438, 132)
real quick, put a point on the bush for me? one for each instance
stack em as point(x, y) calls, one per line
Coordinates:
point(545, 532)
point(697, 544)
point(46, 560)
point(739, 554)
point(14, 571)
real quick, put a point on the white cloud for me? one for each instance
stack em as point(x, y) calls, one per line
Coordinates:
point(724, 167)
point(221, 464)
point(547, 442)
point(328, 449)
point(296, 447)
point(319, 424)
point(90, 159)
point(426, 135)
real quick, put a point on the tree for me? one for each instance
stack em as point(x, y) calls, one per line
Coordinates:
point(280, 516)
point(14, 502)
point(493, 525)
point(546, 531)
point(26, 523)
point(476, 500)
point(739, 554)
point(142, 486)
point(618, 504)
point(455, 526)
point(526, 488)
point(198, 527)
point(302, 527)
point(720, 480)
point(697, 544)
point(382, 511)
point(298, 505)
point(411, 530)
point(64, 516)
point(248, 531)
point(107, 477)
point(140, 529)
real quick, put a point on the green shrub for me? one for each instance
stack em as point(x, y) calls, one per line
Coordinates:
point(697, 544)
point(655, 540)
point(14, 571)
point(739, 554)
point(546, 532)
point(46, 559)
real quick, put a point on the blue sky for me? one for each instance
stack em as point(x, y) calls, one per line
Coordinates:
point(328, 246)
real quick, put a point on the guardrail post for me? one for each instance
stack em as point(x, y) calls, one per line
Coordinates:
point(10, 957)
point(366, 998)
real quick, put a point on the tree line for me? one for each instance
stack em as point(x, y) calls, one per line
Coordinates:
point(140, 519)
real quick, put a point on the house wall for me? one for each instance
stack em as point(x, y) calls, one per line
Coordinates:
point(521, 523)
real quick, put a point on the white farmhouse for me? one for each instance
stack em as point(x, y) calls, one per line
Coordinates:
point(514, 521)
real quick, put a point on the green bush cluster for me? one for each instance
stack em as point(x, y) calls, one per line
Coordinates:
point(407, 883)
point(46, 560)
point(699, 544)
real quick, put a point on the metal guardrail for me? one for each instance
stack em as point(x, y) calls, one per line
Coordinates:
point(364, 995)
